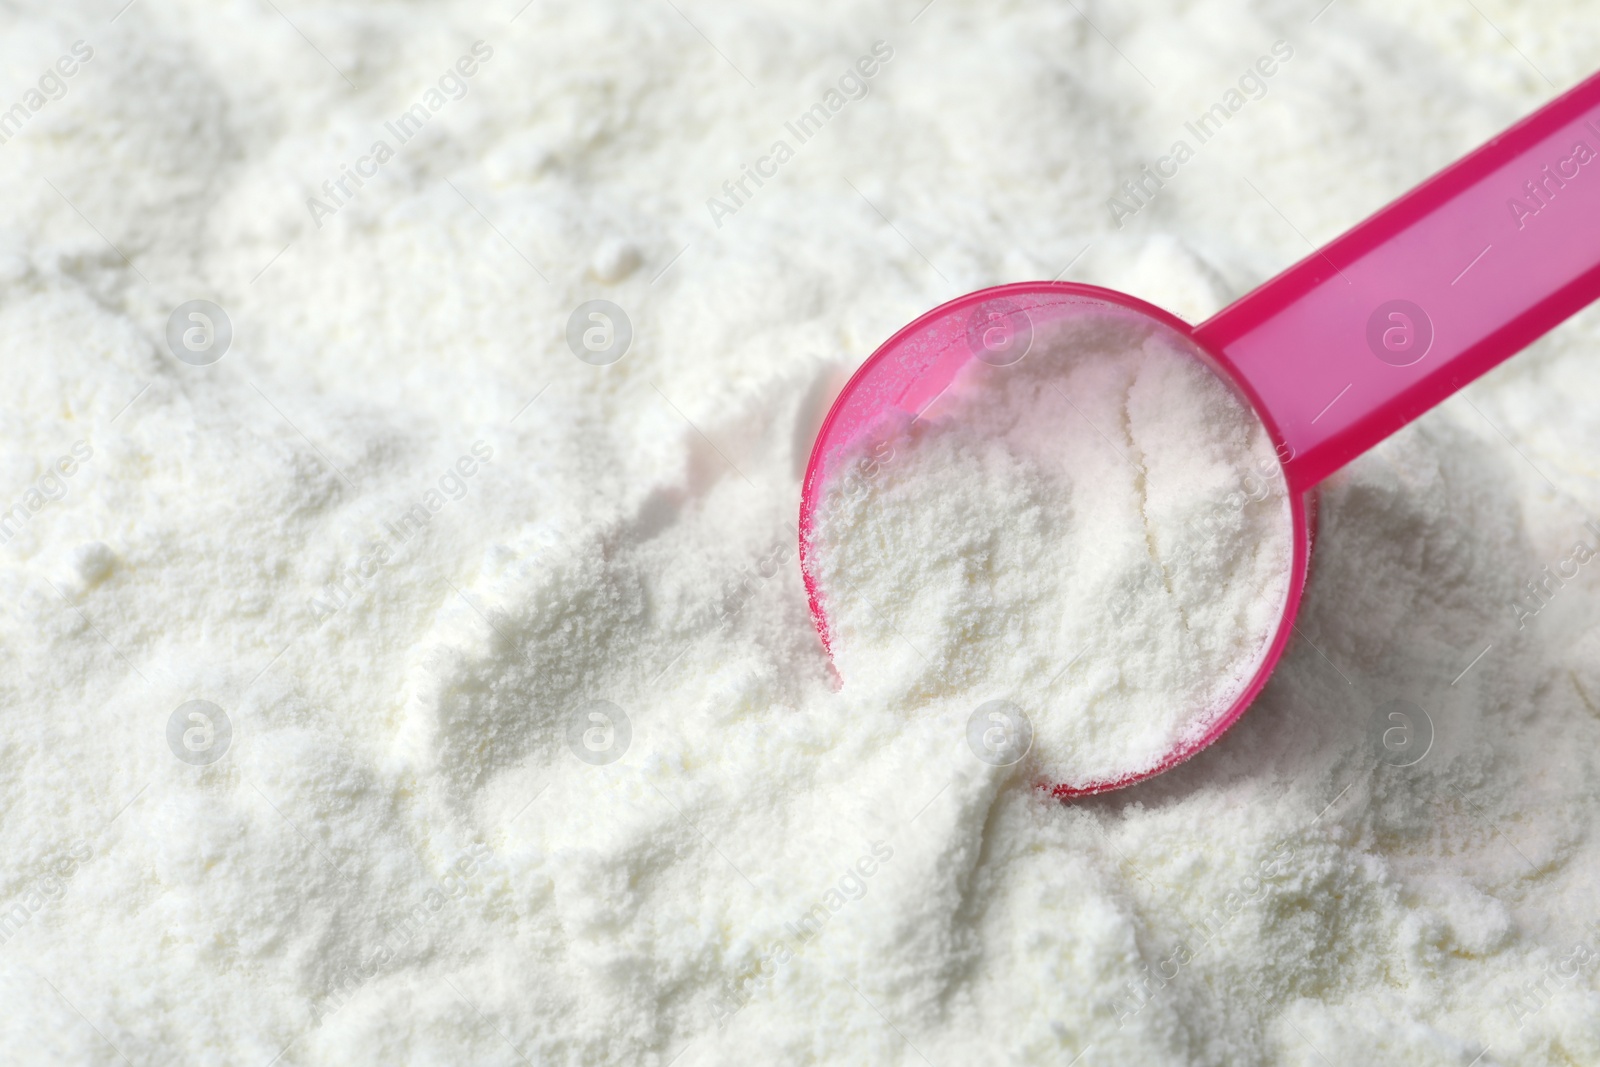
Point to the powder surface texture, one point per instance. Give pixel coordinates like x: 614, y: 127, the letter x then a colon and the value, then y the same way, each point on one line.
x: 518, y: 744
x: 1097, y: 534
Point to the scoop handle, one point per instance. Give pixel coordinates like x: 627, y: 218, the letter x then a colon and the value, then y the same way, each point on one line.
x: 1367, y: 334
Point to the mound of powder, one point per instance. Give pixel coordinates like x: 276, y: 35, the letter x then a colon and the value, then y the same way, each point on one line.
x: 1098, y: 534
x: 407, y: 538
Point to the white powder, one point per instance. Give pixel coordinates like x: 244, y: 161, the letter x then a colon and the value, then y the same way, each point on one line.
x: 402, y: 858
x: 1098, y: 534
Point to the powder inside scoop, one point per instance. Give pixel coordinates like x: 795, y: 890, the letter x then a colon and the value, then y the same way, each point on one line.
x: 1098, y: 534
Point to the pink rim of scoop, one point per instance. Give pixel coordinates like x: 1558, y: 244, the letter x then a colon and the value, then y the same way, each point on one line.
x: 1335, y: 354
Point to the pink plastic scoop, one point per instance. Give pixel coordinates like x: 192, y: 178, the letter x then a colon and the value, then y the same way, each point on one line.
x: 1334, y: 354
